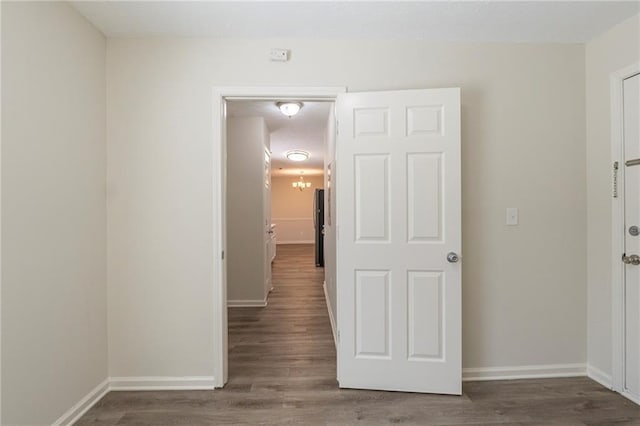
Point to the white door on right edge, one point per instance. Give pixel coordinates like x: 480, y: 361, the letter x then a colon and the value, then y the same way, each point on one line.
x: 398, y: 211
x: 631, y: 108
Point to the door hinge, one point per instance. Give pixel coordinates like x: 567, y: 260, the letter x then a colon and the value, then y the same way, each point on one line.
x: 222, y: 254
x: 615, y: 179
x: 338, y: 336
x: 337, y: 127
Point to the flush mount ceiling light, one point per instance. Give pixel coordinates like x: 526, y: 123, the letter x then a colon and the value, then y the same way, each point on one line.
x: 289, y: 108
x: 297, y: 155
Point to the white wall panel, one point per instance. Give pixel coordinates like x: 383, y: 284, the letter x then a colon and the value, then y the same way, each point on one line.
x: 54, y: 208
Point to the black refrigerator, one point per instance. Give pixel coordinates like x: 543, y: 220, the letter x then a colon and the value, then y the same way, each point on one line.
x: 318, y: 224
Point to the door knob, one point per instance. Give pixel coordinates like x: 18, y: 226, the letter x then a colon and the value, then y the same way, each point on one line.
x: 633, y: 259
x: 453, y: 257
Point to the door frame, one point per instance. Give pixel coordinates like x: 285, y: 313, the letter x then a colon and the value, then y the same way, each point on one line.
x: 617, y: 225
x: 220, y: 95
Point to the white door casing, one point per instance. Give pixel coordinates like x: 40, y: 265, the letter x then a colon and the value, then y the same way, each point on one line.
x: 631, y: 140
x: 398, y: 213
x: 268, y: 233
x: 219, y: 116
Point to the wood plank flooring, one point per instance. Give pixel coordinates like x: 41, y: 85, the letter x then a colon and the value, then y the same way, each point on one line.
x: 282, y: 371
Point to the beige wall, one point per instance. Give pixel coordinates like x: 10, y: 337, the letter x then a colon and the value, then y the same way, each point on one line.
x: 54, y: 330
x: 524, y: 288
x: 247, y: 138
x: 292, y: 209
x: 523, y: 131
x: 617, y: 48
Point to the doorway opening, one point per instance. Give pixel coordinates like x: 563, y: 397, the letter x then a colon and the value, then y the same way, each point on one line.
x: 398, y: 178
x: 277, y: 315
x: 252, y: 113
x: 625, y: 126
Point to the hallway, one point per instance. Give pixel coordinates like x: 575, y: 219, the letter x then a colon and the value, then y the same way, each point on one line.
x: 288, y: 345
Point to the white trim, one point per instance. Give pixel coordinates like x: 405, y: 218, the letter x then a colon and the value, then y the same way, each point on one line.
x: 74, y: 413
x: 630, y: 397
x: 246, y: 303
x: 220, y: 94
x: 331, y: 318
x: 89, y: 400
x: 617, y: 228
x: 219, y: 241
x: 1, y: 243
x: 295, y: 242
x: 310, y: 93
x: 599, y: 376
x: 161, y: 383
x: 523, y: 372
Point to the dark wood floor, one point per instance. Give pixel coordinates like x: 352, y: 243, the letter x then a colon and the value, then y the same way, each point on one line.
x: 282, y: 371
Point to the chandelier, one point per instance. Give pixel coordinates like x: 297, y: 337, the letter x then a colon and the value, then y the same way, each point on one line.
x: 300, y: 184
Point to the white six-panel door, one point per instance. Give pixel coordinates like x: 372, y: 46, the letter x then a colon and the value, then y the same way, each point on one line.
x: 631, y: 110
x: 398, y: 203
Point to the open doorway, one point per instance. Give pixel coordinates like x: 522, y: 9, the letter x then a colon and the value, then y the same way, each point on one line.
x: 398, y: 197
x: 287, y: 189
x: 277, y: 319
x: 275, y: 190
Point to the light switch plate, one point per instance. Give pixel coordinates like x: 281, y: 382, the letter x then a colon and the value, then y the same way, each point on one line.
x: 512, y: 216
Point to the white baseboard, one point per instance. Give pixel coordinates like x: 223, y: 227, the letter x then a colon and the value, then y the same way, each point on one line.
x: 600, y: 376
x: 82, y: 406
x: 523, y: 372
x: 631, y: 397
x: 161, y: 383
x: 296, y: 242
x: 132, y: 384
x: 331, y: 318
x: 246, y: 303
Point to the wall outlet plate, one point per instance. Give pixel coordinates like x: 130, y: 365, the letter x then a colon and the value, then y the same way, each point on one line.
x: 512, y: 216
x: 279, y: 55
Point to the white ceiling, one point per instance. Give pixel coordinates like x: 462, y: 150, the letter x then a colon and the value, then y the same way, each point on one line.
x: 303, y: 131
x: 463, y: 21
x: 479, y: 21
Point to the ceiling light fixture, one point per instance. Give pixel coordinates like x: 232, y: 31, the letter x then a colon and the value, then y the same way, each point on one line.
x: 289, y: 108
x: 297, y: 155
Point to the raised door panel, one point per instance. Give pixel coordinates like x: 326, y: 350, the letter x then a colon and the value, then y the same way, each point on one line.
x: 425, y: 300
x: 424, y: 120
x: 369, y: 122
x: 372, y: 304
x: 372, y: 198
x: 424, y: 197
